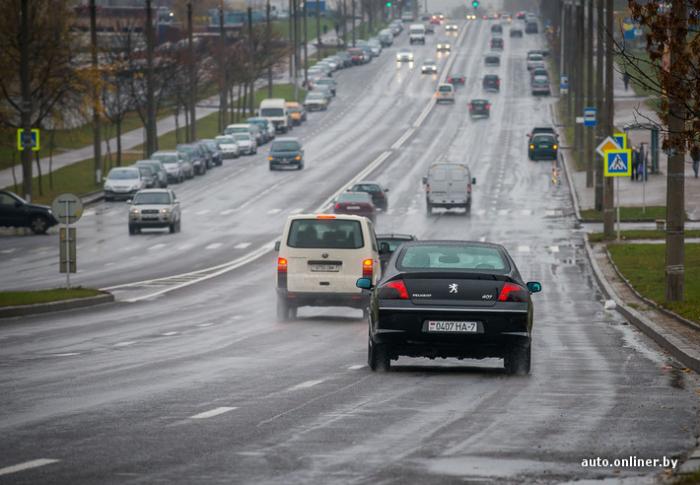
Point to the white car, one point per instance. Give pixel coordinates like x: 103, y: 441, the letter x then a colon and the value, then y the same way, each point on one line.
x: 123, y: 183
x: 443, y: 47
x: 451, y: 28
x: 429, y: 67
x: 404, y: 55
x: 445, y: 93
x: 316, y: 101
x: 228, y: 146
x: 320, y: 258
x: 246, y: 143
x: 534, y: 61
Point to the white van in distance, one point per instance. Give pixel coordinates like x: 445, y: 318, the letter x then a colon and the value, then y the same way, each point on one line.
x: 275, y: 109
x: 416, y: 34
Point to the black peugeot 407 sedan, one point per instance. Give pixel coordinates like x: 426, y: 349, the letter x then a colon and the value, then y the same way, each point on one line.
x: 451, y: 299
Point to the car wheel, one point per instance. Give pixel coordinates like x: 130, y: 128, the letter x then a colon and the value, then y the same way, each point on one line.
x: 172, y: 227
x: 255, y: 152
x: 132, y: 229
x: 378, y: 357
x: 300, y: 166
x: 468, y: 206
x: 517, y: 360
x: 39, y: 224
x: 429, y: 208
x: 272, y: 167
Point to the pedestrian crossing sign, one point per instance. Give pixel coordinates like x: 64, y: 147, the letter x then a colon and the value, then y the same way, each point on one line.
x: 618, y: 163
x: 621, y: 139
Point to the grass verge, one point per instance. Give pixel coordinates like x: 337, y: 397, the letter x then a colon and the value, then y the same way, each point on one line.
x: 629, y: 214
x: 640, y: 234
x: 16, y: 298
x: 643, y: 265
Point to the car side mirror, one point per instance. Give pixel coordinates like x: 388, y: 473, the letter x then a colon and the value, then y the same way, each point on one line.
x: 128, y: 201
x: 277, y: 246
x: 364, y: 283
x: 18, y: 203
x: 386, y: 190
x: 474, y: 180
x: 384, y: 248
x: 534, y: 286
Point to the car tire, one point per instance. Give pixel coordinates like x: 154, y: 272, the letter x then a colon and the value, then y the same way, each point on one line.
x: 378, y: 357
x: 429, y: 208
x: 517, y: 361
x: 172, y: 228
x: 468, y: 206
x: 300, y: 166
x: 255, y: 152
x: 39, y: 224
x: 132, y: 229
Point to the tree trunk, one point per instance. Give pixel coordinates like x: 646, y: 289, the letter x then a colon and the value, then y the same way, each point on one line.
x: 52, y: 134
x: 38, y: 172
x: 118, y: 126
x: 177, y: 123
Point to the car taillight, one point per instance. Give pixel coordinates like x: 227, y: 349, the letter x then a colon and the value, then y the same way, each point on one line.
x: 512, y: 292
x: 338, y: 206
x: 488, y: 106
x: 282, y: 265
x: 498, y: 82
x: 281, y: 272
x: 393, y: 290
x: 469, y: 188
x: 427, y: 188
x: 471, y: 107
x: 367, y: 268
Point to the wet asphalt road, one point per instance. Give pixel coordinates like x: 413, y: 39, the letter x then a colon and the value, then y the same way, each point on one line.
x: 202, y: 385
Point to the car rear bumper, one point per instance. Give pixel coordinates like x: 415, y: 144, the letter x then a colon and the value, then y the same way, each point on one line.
x: 543, y: 154
x: 352, y: 300
x: 120, y: 195
x: 406, y: 333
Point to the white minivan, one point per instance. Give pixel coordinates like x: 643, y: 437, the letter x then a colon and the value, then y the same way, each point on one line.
x: 275, y: 109
x: 448, y: 186
x: 416, y: 34
x: 320, y: 258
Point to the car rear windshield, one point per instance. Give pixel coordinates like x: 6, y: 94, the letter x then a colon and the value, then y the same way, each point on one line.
x: 284, y: 146
x: 325, y: 233
x: 354, y: 197
x: 242, y: 136
x: 123, y: 174
x: 152, y: 198
x: 165, y: 159
x: 543, y: 139
x: 272, y: 112
x: 445, y: 89
x: 534, y: 57
x: 452, y: 256
x: 445, y: 172
x: 393, y: 243
x: 366, y: 188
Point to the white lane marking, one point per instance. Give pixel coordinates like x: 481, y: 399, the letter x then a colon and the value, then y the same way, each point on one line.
x: 157, y: 246
x: 184, y: 247
x: 169, y: 334
x: 27, y: 465
x: 107, y: 265
x: 205, y: 324
x: 89, y: 212
x: 298, y: 210
x: 356, y: 367
x: 502, y: 212
x: 212, y: 413
x: 526, y: 212
x: 8, y: 251
x: 397, y: 144
x: 66, y: 354
x: 125, y: 344
x: 306, y: 385
x: 274, y: 211
x: 242, y: 245
x: 227, y: 212
x: 554, y: 249
x: 202, y: 212
x: 214, y: 245
x: 523, y: 249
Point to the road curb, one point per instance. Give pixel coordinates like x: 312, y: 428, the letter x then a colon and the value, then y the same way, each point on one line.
x: 54, y: 306
x: 569, y: 179
x: 666, y: 340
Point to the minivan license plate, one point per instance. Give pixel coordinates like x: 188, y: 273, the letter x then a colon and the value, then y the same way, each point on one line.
x: 325, y: 267
x: 460, y: 327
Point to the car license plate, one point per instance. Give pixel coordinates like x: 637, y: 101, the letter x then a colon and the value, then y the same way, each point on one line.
x: 353, y: 207
x: 324, y: 267
x: 544, y: 146
x: 459, y: 327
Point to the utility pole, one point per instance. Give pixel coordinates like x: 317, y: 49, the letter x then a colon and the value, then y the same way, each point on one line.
x: 295, y: 77
x: 192, y: 134
x: 96, y: 132
x: 319, y: 47
x: 306, y: 41
x: 251, y: 52
x: 291, y: 40
x: 268, y: 34
x: 609, y: 188
x: 25, y: 87
x: 600, y: 105
x: 675, y: 185
x: 222, y: 69
x: 151, y: 142
x: 578, y: 60
x: 345, y: 24
x: 353, y: 24
x: 570, y: 42
x: 590, y: 95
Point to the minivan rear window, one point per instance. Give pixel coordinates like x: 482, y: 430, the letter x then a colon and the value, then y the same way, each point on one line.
x: 458, y: 257
x: 325, y: 233
x: 270, y: 112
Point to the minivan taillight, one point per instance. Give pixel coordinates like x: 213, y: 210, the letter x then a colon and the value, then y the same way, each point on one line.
x: 393, y: 290
x: 337, y: 205
x: 367, y: 268
x: 282, y: 265
x: 512, y: 292
x: 281, y: 272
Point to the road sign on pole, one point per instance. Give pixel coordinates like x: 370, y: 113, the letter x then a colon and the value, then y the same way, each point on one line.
x: 589, y: 116
x: 67, y: 208
x: 621, y: 140
x: 606, y: 145
x: 563, y: 84
x: 618, y: 163
x: 28, y: 140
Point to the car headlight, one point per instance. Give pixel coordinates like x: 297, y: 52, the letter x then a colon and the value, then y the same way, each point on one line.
x: 165, y: 211
x: 108, y: 186
x: 135, y: 211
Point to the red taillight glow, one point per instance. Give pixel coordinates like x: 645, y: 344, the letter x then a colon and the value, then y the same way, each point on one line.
x: 367, y: 268
x: 512, y: 292
x: 395, y: 290
x: 281, y: 265
x: 338, y: 206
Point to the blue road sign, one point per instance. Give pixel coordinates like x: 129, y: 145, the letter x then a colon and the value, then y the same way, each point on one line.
x: 589, y: 116
x: 618, y: 163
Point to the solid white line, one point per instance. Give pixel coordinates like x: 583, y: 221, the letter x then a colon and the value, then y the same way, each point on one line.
x: 523, y: 249
x: 242, y: 245
x: 212, y: 413
x: 227, y: 212
x: 27, y: 465
x: 305, y: 385
x: 156, y: 246
x: 274, y: 211
x: 214, y: 245
x: 67, y: 354
x: 8, y: 251
x: 125, y: 344
x: 169, y: 334
x: 356, y: 367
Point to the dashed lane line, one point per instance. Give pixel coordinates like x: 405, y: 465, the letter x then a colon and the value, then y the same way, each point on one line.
x: 242, y: 245
x: 27, y: 465
x: 215, y: 245
x: 306, y: 384
x: 213, y: 412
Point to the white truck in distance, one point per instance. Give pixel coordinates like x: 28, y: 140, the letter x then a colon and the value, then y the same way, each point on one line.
x: 416, y: 34
x: 275, y: 109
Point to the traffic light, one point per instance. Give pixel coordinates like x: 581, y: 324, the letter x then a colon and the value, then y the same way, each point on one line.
x: 388, y: 4
x: 475, y: 4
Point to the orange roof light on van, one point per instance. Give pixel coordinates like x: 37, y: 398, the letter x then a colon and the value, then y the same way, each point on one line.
x: 325, y: 216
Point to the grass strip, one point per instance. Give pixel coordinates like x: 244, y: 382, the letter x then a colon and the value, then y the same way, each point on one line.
x: 16, y: 298
x: 640, y: 234
x: 650, y: 214
x: 644, y: 264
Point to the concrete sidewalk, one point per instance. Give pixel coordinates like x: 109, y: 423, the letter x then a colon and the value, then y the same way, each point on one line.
x: 630, y: 108
x: 135, y: 138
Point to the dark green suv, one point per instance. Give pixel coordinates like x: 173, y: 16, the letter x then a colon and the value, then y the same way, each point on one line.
x: 286, y: 152
x: 543, y: 147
